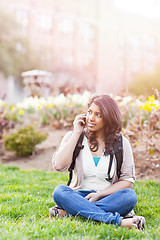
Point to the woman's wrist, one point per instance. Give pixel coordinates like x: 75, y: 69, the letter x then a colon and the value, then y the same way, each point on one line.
x: 102, y: 194
x: 77, y: 132
x: 76, y: 135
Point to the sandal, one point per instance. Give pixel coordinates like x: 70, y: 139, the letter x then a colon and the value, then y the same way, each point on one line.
x: 139, y: 222
x: 53, y: 212
x: 131, y: 214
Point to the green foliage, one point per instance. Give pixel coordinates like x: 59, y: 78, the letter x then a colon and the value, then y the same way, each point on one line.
x: 26, y: 196
x: 144, y: 83
x: 24, y: 140
x: 16, y: 55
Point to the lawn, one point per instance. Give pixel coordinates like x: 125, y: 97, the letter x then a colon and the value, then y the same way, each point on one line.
x: 26, y: 196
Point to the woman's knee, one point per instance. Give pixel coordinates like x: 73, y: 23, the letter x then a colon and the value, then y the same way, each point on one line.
x: 59, y: 191
x: 130, y: 195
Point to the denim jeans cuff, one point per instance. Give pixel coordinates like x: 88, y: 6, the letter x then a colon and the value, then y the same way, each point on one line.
x: 119, y: 221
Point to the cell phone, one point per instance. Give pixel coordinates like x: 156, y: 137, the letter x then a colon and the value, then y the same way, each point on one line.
x: 84, y: 119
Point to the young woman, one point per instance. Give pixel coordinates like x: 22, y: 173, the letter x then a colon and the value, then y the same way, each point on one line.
x: 90, y: 195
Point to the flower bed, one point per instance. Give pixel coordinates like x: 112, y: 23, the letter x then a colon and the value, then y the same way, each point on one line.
x: 141, y: 118
x: 62, y: 108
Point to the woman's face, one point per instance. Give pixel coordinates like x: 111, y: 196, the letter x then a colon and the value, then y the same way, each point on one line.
x: 94, y: 119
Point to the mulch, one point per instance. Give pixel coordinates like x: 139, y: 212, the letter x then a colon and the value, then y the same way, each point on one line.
x: 147, y: 166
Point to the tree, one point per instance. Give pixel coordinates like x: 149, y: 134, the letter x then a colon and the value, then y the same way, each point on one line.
x: 16, y: 54
x: 145, y: 83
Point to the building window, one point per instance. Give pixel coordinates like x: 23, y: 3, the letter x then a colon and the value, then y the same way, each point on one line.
x: 149, y: 42
x: 44, y: 22
x: 87, y: 32
x: 66, y: 25
x: 121, y: 67
x: 135, y: 66
x: 22, y: 17
x: 67, y: 60
x: 86, y: 60
x: 121, y: 39
x: 134, y: 42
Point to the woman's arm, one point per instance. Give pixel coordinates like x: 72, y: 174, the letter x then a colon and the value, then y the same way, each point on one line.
x: 92, y: 197
x: 115, y: 187
x: 63, y: 157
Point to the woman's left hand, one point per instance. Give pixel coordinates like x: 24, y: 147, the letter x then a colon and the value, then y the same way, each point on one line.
x: 92, y: 197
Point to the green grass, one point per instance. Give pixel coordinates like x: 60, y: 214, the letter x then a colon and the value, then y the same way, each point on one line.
x: 26, y: 196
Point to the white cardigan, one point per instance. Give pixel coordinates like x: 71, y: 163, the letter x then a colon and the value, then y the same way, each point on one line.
x: 88, y: 177
x: 94, y: 177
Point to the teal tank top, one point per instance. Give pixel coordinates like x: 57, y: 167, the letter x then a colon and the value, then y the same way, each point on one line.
x: 96, y: 160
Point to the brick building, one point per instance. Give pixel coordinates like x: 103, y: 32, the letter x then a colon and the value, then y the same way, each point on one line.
x: 91, y: 42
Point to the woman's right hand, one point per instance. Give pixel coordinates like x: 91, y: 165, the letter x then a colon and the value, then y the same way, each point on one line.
x: 63, y: 157
x: 79, y: 123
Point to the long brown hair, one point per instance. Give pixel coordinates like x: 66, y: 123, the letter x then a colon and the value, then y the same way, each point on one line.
x: 113, y: 122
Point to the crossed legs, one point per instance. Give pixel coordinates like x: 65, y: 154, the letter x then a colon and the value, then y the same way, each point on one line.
x: 110, y: 209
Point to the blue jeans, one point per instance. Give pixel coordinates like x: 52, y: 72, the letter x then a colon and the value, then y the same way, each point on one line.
x: 110, y: 209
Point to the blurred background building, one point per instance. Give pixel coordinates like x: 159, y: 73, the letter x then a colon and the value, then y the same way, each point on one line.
x: 88, y: 43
